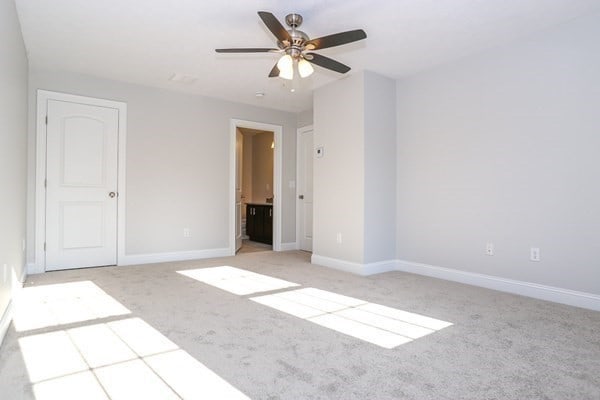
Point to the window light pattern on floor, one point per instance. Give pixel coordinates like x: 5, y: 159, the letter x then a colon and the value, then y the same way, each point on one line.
x: 65, y: 303
x: 383, y: 326
x: 236, y: 280
x: 125, y: 359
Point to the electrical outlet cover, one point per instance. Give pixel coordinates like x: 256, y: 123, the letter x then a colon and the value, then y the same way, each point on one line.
x: 319, y: 151
x: 534, y: 254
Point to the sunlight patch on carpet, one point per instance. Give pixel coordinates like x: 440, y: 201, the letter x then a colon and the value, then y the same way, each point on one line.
x: 236, y: 280
x: 383, y: 326
x: 124, y: 359
x: 65, y: 303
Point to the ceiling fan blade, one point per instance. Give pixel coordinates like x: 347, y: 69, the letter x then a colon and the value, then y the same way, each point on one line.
x: 337, y: 39
x: 327, y: 62
x: 247, y: 50
x: 274, y: 72
x: 275, y: 26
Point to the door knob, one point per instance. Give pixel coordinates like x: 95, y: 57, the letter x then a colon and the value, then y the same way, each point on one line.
x: 112, y: 194
x: 301, y: 197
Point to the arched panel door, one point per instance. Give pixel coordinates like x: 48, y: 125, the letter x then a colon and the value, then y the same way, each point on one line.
x: 81, y: 185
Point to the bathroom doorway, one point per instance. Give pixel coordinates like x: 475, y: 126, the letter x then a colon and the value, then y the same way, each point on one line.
x: 256, y: 204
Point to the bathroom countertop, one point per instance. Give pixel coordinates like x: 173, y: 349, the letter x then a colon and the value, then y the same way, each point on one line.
x: 255, y: 203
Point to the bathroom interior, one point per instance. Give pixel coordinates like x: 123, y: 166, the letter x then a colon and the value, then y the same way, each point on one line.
x: 256, y: 175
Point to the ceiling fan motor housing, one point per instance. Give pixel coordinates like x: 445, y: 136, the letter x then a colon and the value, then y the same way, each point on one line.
x: 296, y: 47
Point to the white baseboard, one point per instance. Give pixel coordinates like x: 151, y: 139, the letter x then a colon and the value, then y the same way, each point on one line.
x: 288, y: 246
x: 355, y: 268
x: 16, y: 285
x: 152, y: 258
x: 380, y: 267
x: 24, y: 274
x: 537, y: 291
x: 335, y: 263
x: 136, y: 259
x: 5, y: 321
x: 34, y: 268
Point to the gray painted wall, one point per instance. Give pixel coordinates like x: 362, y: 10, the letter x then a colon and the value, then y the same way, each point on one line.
x: 177, y: 162
x: 355, y: 180
x: 246, y: 171
x: 13, y: 149
x: 305, y: 118
x: 338, y: 177
x: 504, y: 147
x: 380, y: 168
x: 262, y: 167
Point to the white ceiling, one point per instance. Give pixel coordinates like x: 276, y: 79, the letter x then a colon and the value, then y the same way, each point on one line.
x: 147, y: 41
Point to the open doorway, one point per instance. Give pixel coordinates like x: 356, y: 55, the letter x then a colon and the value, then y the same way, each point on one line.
x: 256, y: 175
x: 256, y: 187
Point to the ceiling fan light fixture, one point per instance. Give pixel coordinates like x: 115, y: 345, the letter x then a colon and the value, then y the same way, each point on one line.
x: 305, y: 69
x: 286, y: 67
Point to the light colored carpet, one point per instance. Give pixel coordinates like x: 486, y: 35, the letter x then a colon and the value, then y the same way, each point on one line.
x: 249, y: 246
x: 500, y: 346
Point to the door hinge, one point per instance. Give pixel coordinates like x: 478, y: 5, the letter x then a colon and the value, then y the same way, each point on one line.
x: 44, y: 246
x: 46, y: 120
x: 45, y: 183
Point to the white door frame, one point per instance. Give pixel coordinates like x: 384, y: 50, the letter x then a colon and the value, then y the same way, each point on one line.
x: 277, y: 176
x: 299, y: 132
x: 40, y: 170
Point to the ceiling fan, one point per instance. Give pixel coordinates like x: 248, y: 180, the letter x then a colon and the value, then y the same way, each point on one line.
x: 297, y: 47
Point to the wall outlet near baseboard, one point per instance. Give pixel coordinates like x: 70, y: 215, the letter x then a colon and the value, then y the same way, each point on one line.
x: 338, y: 237
x: 534, y: 254
x: 186, y: 232
x: 489, y: 249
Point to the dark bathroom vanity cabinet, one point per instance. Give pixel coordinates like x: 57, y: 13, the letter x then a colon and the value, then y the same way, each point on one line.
x: 259, y: 222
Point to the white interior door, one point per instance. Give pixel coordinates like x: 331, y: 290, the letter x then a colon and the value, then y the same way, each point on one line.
x: 305, y: 188
x: 81, y: 185
x: 238, y: 189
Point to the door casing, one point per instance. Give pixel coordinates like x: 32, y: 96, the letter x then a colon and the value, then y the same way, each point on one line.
x: 39, y: 265
x: 277, y: 177
x: 238, y: 190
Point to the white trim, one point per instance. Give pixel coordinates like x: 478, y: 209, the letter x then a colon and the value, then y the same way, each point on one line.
x: 35, y: 268
x: 549, y: 293
x: 335, y: 263
x: 537, y: 291
x: 289, y: 246
x: 277, y: 177
x: 380, y: 267
x: 16, y: 285
x: 299, y: 132
x: 23, y: 276
x: 355, y: 268
x: 5, y: 321
x: 137, y: 259
x: 43, y: 96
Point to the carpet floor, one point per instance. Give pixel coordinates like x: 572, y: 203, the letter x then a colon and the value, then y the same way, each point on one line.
x: 498, y: 346
x: 249, y: 246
